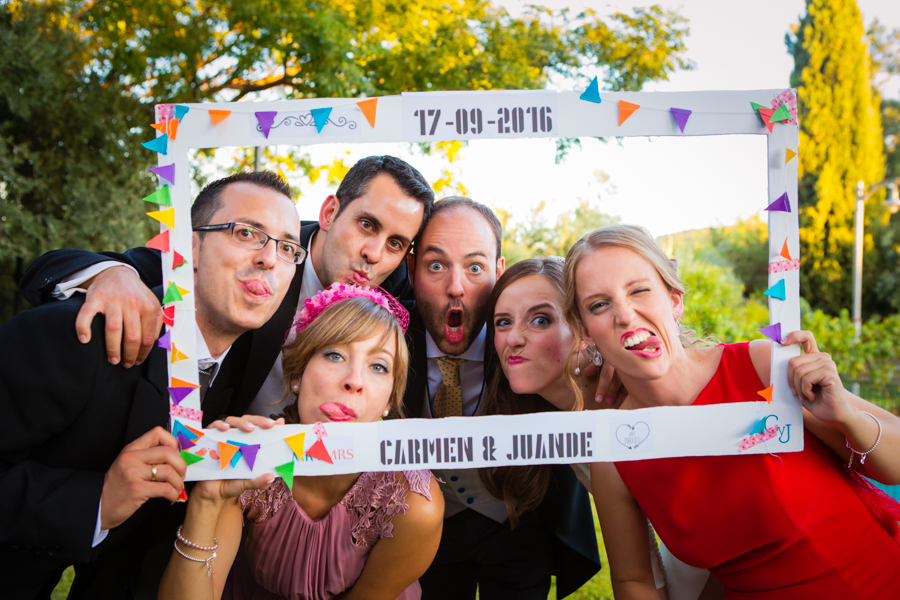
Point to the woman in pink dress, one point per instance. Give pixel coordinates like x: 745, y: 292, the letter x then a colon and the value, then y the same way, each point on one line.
x: 790, y: 526
x: 357, y: 536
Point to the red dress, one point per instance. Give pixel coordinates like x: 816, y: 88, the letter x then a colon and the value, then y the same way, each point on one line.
x: 773, y: 527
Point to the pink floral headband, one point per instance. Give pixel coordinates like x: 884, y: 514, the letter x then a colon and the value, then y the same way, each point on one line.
x: 344, y: 290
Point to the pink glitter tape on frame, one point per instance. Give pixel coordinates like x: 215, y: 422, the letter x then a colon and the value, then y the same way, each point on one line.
x: 758, y: 438
x: 784, y: 265
x: 184, y: 412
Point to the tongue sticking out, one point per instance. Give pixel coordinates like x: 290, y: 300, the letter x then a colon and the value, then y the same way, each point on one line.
x: 454, y: 329
x: 256, y: 288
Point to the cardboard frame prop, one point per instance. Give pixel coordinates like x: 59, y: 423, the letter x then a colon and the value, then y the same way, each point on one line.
x: 466, y: 442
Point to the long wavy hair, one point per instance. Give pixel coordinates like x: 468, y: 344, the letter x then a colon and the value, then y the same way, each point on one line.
x: 521, y: 488
x: 342, y: 323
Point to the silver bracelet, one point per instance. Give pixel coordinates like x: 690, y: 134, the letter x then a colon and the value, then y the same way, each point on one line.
x: 862, y: 455
x: 208, y: 561
x: 191, y: 544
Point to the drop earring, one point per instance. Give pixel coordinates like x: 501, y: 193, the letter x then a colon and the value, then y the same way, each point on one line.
x: 595, y: 356
x: 386, y: 413
x: 577, y: 371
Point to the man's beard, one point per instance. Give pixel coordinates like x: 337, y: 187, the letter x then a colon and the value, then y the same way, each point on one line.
x: 435, y: 319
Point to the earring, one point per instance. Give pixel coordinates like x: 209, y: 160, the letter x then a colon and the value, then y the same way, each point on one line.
x: 577, y: 371
x: 386, y: 412
x: 295, y: 388
x: 595, y: 356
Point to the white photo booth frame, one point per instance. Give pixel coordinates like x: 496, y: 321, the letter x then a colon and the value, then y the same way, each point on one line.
x: 468, y: 442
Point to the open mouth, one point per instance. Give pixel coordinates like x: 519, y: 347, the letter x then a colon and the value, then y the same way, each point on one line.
x: 641, y: 341
x: 337, y: 412
x: 256, y: 288
x: 454, y: 329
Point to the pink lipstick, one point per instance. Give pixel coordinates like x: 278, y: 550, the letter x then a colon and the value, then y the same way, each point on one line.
x: 337, y: 412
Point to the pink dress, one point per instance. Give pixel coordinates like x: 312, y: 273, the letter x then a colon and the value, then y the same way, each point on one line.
x: 286, y: 554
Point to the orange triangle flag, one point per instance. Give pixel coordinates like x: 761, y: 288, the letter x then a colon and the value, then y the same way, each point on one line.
x: 784, y: 251
x: 788, y: 155
x: 169, y: 126
x: 192, y: 430
x: 217, y: 116
x: 160, y: 242
x: 767, y: 393
x: 296, y: 442
x: 181, y: 383
x: 368, y: 109
x: 226, y: 452
x: 177, y: 354
x: 625, y: 110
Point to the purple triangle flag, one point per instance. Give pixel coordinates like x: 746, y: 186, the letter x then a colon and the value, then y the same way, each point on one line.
x: 249, y: 453
x: 180, y: 393
x: 772, y: 332
x: 165, y: 340
x: 184, y: 443
x: 320, y: 116
x: 782, y: 204
x: 159, y: 144
x: 266, y: 118
x: 182, y: 431
x: 167, y: 172
x: 681, y: 117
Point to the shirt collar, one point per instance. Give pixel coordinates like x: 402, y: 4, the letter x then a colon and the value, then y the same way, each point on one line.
x: 474, y: 352
x: 205, y: 359
x: 310, y: 284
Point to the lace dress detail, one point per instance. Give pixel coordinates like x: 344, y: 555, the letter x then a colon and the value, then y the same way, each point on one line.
x: 377, y: 498
x: 259, y: 505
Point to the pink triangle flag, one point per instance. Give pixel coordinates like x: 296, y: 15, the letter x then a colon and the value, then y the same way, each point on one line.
x: 179, y: 393
x: 772, y: 332
x: 681, y: 117
x: 165, y: 340
x: 167, y: 172
x: 249, y: 453
x: 782, y: 204
x: 266, y: 118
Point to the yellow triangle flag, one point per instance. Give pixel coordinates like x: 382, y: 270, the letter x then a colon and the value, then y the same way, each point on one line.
x: 788, y: 155
x: 625, y: 110
x: 767, y: 393
x: 296, y: 442
x: 166, y: 217
x: 217, y: 116
x: 226, y: 452
x: 784, y: 250
x: 368, y: 109
x: 177, y: 354
x: 181, y: 290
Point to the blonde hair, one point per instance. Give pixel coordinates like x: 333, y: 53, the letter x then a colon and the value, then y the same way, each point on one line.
x: 634, y: 238
x: 342, y: 323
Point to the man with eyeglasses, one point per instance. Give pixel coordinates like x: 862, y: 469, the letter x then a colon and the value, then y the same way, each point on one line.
x: 365, y: 229
x: 88, y: 471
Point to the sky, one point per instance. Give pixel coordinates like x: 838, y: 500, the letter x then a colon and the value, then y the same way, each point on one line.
x: 666, y: 184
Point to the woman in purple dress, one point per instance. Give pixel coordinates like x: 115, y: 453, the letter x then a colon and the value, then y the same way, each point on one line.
x: 368, y: 535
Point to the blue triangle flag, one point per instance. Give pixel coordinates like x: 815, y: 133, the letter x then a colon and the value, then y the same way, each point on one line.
x: 759, y: 427
x: 776, y: 291
x: 592, y: 93
x: 180, y: 111
x: 320, y: 116
x: 178, y: 428
x: 160, y: 144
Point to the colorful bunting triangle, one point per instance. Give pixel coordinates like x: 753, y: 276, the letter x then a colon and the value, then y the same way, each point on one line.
x: 160, y: 242
x: 368, y: 108
x: 592, y: 93
x: 777, y: 291
x: 226, y: 452
x: 182, y: 383
x: 183, y: 497
x: 217, y: 116
x: 781, y: 114
x: 160, y: 196
x: 765, y: 114
x: 180, y: 111
x: 756, y: 109
x: 169, y: 126
x: 237, y: 455
x: 286, y: 472
x: 265, y: 119
x: 165, y: 340
x: 199, y: 434
x: 172, y: 294
x: 318, y: 450
x: 767, y: 393
x: 190, y: 458
x: 167, y: 172
x: 759, y: 426
x: 169, y: 315
x: 625, y: 110
x: 166, y: 217
x: 249, y: 453
x: 320, y: 116
x: 781, y: 204
x: 296, y: 442
x: 159, y: 145
x: 177, y: 260
x: 184, y: 443
x: 681, y: 117
x: 181, y: 290
x: 788, y: 155
x: 180, y: 428
x: 177, y: 354
x: 772, y: 332
x: 179, y: 393
x: 785, y: 252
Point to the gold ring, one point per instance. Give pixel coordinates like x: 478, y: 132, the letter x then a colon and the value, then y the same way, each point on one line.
x: 152, y: 472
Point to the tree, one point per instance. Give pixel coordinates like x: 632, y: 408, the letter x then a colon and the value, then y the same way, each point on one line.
x: 840, y: 144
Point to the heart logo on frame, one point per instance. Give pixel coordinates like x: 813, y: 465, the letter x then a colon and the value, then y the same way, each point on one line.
x: 632, y: 436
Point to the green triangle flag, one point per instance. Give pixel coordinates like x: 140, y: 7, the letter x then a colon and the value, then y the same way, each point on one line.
x: 286, y: 471
x: 756, y: 108
x: 172, y: 294
x: 190, y: 458
x: 160, y: 196
x: 782, y: 114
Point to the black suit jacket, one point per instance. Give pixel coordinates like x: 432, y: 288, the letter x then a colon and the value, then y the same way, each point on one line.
x: 251, y: 357
x: 565, y: 510
x: 67, y: 413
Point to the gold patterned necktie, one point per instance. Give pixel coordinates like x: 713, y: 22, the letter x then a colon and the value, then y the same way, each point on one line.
x: 448, y: 400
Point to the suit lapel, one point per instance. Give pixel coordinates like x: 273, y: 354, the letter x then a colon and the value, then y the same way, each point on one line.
x: 417, y: 381
x: 150, y: 405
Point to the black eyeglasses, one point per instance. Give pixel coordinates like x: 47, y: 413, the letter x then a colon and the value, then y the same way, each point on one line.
x: 251, y: 237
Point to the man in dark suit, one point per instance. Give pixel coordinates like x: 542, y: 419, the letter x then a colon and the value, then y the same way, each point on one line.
x: 87, y: 469
x: 456, y: 263
x: 365, y: 229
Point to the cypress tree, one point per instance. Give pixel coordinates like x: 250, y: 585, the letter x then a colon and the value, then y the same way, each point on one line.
x: 840, y: 143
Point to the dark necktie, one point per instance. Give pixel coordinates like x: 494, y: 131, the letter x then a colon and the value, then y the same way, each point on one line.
x: 205, y: 376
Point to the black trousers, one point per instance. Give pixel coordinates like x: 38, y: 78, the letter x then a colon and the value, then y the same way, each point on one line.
x: 476, y: 552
